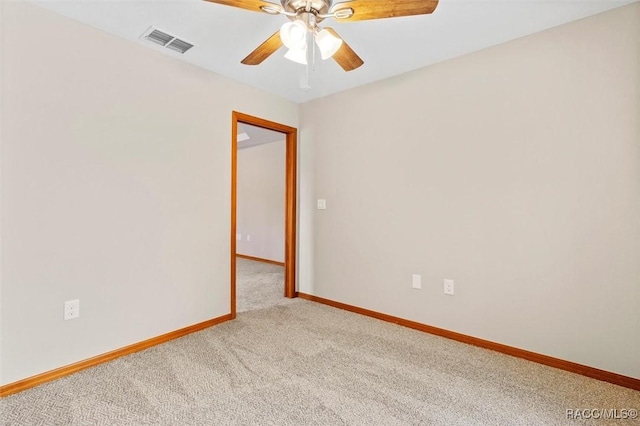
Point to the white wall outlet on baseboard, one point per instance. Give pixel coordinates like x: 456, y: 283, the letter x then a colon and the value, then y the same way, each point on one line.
x: 71, y: 309
x: 448, y: 287
x: 322, y: 204
x: 416, y: 281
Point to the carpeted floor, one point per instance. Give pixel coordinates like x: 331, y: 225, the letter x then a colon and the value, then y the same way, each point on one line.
x: 302, y: 363
x: 259, y: 285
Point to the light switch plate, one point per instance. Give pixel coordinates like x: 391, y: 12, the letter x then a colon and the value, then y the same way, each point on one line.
x: 416, y: 281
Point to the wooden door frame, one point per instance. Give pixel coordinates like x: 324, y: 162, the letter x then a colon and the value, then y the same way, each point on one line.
x: 290, y: 199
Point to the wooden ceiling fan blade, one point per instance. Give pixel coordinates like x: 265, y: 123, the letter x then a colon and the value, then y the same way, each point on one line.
x: 254, y: 5
x: 265, y: 50
x: 376, y: 9
x: 345, y: 56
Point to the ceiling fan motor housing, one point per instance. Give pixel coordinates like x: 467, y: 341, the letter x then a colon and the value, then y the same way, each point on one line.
x: 298, y: 7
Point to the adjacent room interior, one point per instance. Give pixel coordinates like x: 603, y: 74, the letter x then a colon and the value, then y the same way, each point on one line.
x: 260, y: 218
x: 488, y: 201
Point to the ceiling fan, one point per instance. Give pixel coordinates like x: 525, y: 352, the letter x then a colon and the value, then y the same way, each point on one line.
x: 305, y: 15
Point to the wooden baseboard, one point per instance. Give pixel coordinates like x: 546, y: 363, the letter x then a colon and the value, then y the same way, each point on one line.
x: 48, y: 376
x: 259, y: 259
x: 595, y: 373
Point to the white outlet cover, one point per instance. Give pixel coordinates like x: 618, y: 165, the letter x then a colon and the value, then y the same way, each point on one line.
x: 248, y: 237
x: 71, y: 309
x: 416, y: 281
x: 322, y: 204
x: 239, y: 237
x: 448, y: 287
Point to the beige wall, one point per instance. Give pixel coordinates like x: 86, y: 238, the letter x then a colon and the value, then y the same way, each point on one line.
x: 115, y: 190
x: 1, y: 209
x: 261, y: 201
x: 514, y: 171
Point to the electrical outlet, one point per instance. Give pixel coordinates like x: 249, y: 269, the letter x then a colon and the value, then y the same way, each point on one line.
x: 416, y: 281
x: 448, y: 287
x: 248, y: 237
x: 321, y: 204
x: 239, y: 237
x: 71, y: 309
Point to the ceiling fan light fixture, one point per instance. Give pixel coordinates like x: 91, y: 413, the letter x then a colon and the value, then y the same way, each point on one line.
x: 294, y: 35
x: 297, y: 55
x: 327, y: 43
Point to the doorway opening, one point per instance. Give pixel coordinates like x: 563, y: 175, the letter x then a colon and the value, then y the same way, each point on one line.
x: 290, y: 135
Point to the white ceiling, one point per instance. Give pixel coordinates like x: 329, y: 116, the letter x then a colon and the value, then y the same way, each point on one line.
x: 224, y: 35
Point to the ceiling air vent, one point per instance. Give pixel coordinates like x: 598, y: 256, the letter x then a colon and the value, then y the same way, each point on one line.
x: 178, y: 45
x: 167, y: 40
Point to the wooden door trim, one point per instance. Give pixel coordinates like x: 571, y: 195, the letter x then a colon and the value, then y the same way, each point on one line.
x: 290, y: 196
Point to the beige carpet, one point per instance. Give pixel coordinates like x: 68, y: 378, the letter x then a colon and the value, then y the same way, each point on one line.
x: 259, y: 285
x: 302, y: 363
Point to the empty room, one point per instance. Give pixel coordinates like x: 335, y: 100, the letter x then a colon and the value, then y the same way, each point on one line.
x: 451, y: 235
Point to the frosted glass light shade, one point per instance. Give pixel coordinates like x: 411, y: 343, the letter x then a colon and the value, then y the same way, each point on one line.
x: 297, y: 55
x: 294, y: 34
x: 327, y: 43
